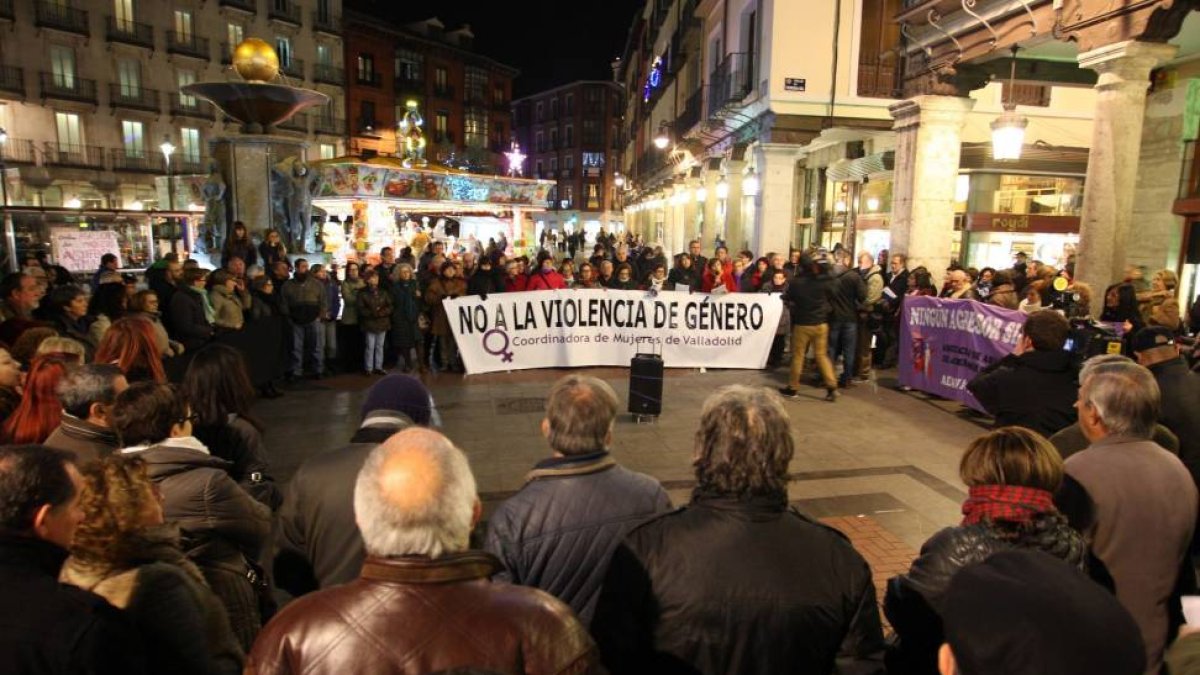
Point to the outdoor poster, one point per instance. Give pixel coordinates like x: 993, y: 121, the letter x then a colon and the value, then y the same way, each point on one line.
x: 945, y: 343
x: 358, y: 180
x: 81, y: 250
x: 596, y: 327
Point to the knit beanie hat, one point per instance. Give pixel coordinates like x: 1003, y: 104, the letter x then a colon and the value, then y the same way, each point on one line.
x: 400, y: 393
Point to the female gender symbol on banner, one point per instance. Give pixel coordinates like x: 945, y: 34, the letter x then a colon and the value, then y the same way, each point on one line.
x: 503, y: 352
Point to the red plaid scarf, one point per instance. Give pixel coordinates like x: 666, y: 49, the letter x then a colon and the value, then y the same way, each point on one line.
x: 1012, y: 503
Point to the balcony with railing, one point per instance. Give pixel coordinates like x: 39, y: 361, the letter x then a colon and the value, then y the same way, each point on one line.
x: 324, y: 21
x: 692, y: 112
x: 327, y: 73
x: 69, y: 154
x: 60, y: 17
x: 244, y: 5
x: 12, y: 80
x: 129, y: 32
x: 133, y: 98
x: 294, y: 68
x: 410, y: 82
x: 144, y: 160
x: 284, y: 11
x: 732, y: 81
x: 68, y: 88
x: 6, y: 10
x: 18, y: 151
x: 331, y: 126
x: 371, y: 79
x: 183, y: 105
x: 188, y: 44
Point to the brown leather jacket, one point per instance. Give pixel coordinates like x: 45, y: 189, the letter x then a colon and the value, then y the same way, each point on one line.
x: 416, y: 615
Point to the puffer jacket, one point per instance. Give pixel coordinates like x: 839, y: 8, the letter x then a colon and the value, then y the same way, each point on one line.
x: 164, y: 595
x: 228, y: 308
x: 222, y: 526
x: 748, y: 586
x: 374, y: 309
x: 304, y: 300
x: 559, y: 531
x: 416, y: 615
x: 914, y: 600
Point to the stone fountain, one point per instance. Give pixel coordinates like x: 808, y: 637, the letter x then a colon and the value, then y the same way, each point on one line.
x: 258, y: 177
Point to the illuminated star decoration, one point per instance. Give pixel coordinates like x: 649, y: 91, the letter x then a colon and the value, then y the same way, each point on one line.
x: 515, y: 159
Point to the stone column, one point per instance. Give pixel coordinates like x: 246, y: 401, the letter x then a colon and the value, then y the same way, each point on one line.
x: 1112, y: 171
x: 776, y: 217
x: 928, y: 145
x: 732, y: 230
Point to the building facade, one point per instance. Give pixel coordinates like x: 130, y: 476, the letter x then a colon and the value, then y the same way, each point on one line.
x: 775, y: 139
x: 464, y: 97
x: 571, y: 134
x: 90, y: 90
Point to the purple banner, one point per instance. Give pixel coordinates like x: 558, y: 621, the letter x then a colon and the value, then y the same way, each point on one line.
x: 945, y: 343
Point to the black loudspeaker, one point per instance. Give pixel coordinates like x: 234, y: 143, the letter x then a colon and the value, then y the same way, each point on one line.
x: 646, y: 385
x: 1193, y: 240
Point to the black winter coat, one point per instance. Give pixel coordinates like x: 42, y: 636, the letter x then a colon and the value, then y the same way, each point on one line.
x: 51, y: 628
x: 559, y: 531
x: 188, y: 323
x: 223, y: 527
x: 847, y: 293
x: 1180, y: 409
x: 240, y: 443
x: 738, y: 586
x: 1036, y: 390
x: 484, y: 284
x: 809, y: 300
x: 913, y: 601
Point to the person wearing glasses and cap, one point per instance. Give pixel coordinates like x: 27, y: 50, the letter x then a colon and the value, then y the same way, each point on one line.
x: 223, y: 528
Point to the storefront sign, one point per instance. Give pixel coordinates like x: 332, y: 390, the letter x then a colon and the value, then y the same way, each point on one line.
x: 872, y: 222
x: 81, y: 250
x: 793, y: 84
x: 360, y: 180
x: 944, y: 344
x: 578, y: 328
x: 1022, y: 222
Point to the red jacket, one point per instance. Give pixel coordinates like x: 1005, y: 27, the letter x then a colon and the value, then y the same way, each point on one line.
x: 707, y: 282
x: 545, y: 281
x: 517, y: 283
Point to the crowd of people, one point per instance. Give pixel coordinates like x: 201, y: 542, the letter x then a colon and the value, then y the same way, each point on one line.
x: 142, y: 529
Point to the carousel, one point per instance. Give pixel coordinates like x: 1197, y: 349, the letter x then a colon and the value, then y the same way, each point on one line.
x: 367, y: 204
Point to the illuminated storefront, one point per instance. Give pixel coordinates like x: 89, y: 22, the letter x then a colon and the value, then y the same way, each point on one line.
x: 1006, y: 214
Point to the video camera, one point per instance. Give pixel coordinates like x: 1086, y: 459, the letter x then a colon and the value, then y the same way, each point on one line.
x: 1088, y: 338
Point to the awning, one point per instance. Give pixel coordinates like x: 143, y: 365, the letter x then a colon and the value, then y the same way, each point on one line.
x: 855, y: 170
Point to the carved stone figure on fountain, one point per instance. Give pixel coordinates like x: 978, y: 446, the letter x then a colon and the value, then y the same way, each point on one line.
x: 213, y: 192
x: 292, y: 185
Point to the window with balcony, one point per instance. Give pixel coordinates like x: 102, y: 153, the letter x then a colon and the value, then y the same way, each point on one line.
x: 366, y: 116
x: 328, y: 151
x: 540, y: 170
x: 189, y: 145
x: 554, y: 108
x: 569, y: 104
x: 593, y: 160
x: 235, y: 34
x: 569, y: 165
x: 498, y: 97
x: 554, y: 139
x: 324, y: 55
x: 476, y: 84
x: 540, y: 143
x: 123, y: 12
x: 568, y: 195
x: 569, y: 136
x: 62, y: 66
x: 593, y: 195
x: 441, y: 81
x: 183, y: 26
x: 441, y: 125
x: 366, y: 68
x: 475, y: 127
x: 133, y: 139
x: 129, y: 78
x: 283, y: 47
x: 410, y: 66
x: 554, y: 167
x: 541, y: 112
x: 183, y: 78
x: 70, y: 132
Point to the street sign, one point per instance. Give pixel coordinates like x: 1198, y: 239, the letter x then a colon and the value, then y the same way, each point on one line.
x: 794, y: 83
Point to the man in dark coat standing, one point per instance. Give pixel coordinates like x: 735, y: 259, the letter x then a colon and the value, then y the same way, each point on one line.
x: 318, y: 544
x: 737, y: 582
x: 1156, y: 349
x: 559, y: 531
x: 47, y: 627
x: 1035, y: 386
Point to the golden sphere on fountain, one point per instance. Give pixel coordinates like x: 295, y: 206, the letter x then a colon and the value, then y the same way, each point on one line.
x: 255, y: 60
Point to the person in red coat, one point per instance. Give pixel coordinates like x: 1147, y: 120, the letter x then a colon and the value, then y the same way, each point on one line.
x: 514, y: 280
x: 717, y: 275
x: 545, y: 278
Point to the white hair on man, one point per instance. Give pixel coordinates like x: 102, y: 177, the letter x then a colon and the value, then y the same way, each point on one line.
x: 1125, y: 396
x: 415, y: 495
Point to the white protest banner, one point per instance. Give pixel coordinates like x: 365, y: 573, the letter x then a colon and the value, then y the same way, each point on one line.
x: 80, y: 250
x: 595, y: 327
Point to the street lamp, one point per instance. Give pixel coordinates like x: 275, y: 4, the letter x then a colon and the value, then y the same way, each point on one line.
x: 168, y: 149
x: 663, y: 139
x: 1008, y: 130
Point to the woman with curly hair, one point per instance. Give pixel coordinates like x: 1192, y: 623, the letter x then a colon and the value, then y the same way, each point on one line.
x: 217, y: 385
x: 129, y: 344
x: 124, y: 552
x: 1012, y: 474
x: 39, y: 412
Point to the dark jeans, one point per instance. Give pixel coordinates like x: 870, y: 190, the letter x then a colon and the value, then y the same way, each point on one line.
x: 308, y: 340
x: 843, y: 340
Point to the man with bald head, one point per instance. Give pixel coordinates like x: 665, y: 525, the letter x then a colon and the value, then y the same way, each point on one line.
x: 424, y: 602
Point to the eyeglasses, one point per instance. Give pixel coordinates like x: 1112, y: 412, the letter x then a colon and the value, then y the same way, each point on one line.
x: 192, y: 417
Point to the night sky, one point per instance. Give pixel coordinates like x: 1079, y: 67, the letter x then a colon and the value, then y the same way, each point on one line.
x: 550, y: 41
